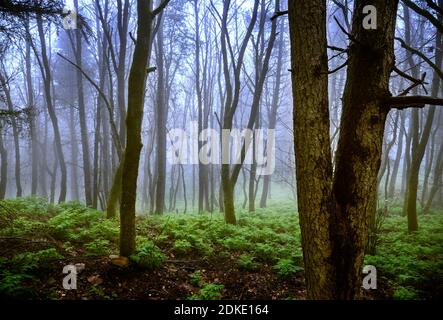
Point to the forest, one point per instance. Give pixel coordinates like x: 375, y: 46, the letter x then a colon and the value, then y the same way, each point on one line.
x: 221, y: 150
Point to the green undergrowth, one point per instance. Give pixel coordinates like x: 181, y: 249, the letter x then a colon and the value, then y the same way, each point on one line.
x: 34, y: 234
x: 412, y: 263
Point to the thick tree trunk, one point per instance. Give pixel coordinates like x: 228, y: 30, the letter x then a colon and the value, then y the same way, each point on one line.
x: 359, y: 149
x: 309, y: 67
x: 336, y: 213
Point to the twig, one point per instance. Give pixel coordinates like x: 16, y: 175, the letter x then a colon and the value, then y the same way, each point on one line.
x: 279, y: 14
x: 338, y: 68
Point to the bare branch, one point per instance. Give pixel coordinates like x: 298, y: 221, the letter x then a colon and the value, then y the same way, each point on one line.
x: 425, y: 13
x: 337, y: 49
x: 279, y: 14
x: 404, y: 102
x: 431, y: 4
x: 160, y: 7
x: 115, y: 136
x: 350, y: 36
x: 338, y: 68
x: 407, y: 76
x: 421, y: 55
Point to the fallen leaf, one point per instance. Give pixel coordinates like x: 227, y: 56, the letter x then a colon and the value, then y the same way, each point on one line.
x: 96, y: 280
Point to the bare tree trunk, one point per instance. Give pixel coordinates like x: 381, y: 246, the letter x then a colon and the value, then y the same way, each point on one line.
x: 75, y: 194
x: 77, y: 49
x: 5, y: 89
x: 393, y: 181
x: 122, y: 27
x: 3, y: 166
x: 419, y: 143
x: 32, y: 124
x: 136, y: 93
x: 437, y: 179
x: 46, y: 74
x: 161, y: 119
x: 335, y: 211
x: 311, y: 133
x: 429, y: 160
x: 272, y: 114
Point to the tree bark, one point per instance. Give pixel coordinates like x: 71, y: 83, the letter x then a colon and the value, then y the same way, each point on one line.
x: 87, y: 173
x: 309, y: 67
x: 3, y: 166
x: 134, y: 117
x: 161, y: 120
x: 46, y: 74
x: 336, y: 211
x: 15, y: 134
x: 419, y: 144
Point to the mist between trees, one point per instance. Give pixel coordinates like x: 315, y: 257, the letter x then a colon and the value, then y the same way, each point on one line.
x: 87, y: 113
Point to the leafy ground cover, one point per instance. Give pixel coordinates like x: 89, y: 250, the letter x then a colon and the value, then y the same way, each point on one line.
x: 194, y: 256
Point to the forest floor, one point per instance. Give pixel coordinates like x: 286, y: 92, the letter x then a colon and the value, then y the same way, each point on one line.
x: 195, y: 256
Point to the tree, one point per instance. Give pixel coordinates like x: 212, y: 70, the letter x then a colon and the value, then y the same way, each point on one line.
x: 419, y: 142
x: 15, y: 130
x: 87, y: 173
x: 335, y: 208
x: 47, y: 80
x: 134, y: 117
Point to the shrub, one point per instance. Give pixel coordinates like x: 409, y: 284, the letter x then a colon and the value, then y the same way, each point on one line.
x: 97, y: 247
x: 182, y: 246
x: 285, y: 268
x: 23, y: 227
x: 74, y: 223
x: 196, y: 278
x: 209, y: 291
x: 246, y: 262
x: 405, y: 293
x: 11, y: 286
x: 265, y: 252
x: 32, y: 260
x: 236, y: 243
x: 79, y: 224
x: 148, y: 255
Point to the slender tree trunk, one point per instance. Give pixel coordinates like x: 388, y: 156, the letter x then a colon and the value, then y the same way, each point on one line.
x: 122, y: 27
x: 136, y: 94
x: 429, y: 160
x: 419, y: 143
x: 87, y: 173
x: 437, y: 180
x: 32, y: 124
x: 75, y: 193
x: 161, y: 114
x: 10, y: 105
x: 3, y: 166
x: 393, y: 181
x: 46, y: 73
